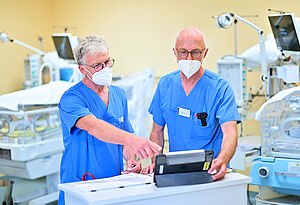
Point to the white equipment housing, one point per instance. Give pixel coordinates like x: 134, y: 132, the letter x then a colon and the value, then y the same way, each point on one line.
x: 30, y: 142
x: 233, y: 69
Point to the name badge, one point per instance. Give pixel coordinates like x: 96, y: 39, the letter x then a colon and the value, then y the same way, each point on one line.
x: 183, y: 112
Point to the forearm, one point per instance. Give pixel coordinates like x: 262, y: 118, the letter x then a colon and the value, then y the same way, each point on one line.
x: 227, y: 150
x: 104, y: 131
x: 157, y: 136
x: 229, y: 142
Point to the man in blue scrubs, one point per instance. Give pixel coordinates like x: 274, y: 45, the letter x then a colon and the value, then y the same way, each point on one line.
x: 94, y: 120
x: 197, y: 106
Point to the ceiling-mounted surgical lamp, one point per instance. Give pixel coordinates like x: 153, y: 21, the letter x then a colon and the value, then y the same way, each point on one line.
x: 4, y: 38
x: 225, y: 20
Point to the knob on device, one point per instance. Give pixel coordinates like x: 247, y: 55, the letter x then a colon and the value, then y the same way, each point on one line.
x: 263, y: 172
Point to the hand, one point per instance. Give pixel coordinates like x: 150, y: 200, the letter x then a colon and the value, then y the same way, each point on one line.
x: 220, y: 166
x: 133, y: 166
x: 149, y: 169
x: 143, y: 148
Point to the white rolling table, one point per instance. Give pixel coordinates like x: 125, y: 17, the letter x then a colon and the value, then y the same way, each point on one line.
x: 230, y: 190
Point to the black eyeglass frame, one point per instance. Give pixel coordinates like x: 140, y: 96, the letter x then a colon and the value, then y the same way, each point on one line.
x: 201, y: 51
x: 96, y: 67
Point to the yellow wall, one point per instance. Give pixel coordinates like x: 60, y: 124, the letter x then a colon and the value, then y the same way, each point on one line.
x: 23, y: 20
x: 141, y: 33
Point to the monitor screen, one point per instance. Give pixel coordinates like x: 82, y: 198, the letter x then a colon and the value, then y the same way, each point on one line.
x: 284, y: 28
x: 63, y: 47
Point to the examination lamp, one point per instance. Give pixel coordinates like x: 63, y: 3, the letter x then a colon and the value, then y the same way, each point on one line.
x: 225, y: 20
x: 4, y: 38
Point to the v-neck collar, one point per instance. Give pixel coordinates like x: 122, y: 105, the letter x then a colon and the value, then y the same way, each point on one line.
x: 194, y: 88
x: 102, y: 102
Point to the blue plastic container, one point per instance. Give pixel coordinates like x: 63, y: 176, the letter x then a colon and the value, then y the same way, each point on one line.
x: 65, y: 73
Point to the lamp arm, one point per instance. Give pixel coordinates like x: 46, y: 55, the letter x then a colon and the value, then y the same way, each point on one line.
x: 246, y: 22
x: 28, y: 46
x: 263, y: 54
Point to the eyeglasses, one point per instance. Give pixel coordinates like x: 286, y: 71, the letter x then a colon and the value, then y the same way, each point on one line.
x: 196, y: 53
x: 109, y: 63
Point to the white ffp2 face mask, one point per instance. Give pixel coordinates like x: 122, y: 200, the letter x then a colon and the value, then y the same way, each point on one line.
x: 102, y: 77
x: 189, y: 67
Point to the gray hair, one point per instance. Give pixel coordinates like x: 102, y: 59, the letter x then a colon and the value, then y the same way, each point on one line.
x: 91, y: 45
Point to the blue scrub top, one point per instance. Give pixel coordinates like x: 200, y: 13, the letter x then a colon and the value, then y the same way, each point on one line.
x: 83, y: 152
x: 211, y: 94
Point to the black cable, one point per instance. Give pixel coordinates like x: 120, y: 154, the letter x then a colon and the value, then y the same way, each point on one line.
x: 248, y: 195
x: 241, y: 134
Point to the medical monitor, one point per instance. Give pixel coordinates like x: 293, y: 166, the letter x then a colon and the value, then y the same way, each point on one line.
x: 64, y: 45
x: 285, y: 31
